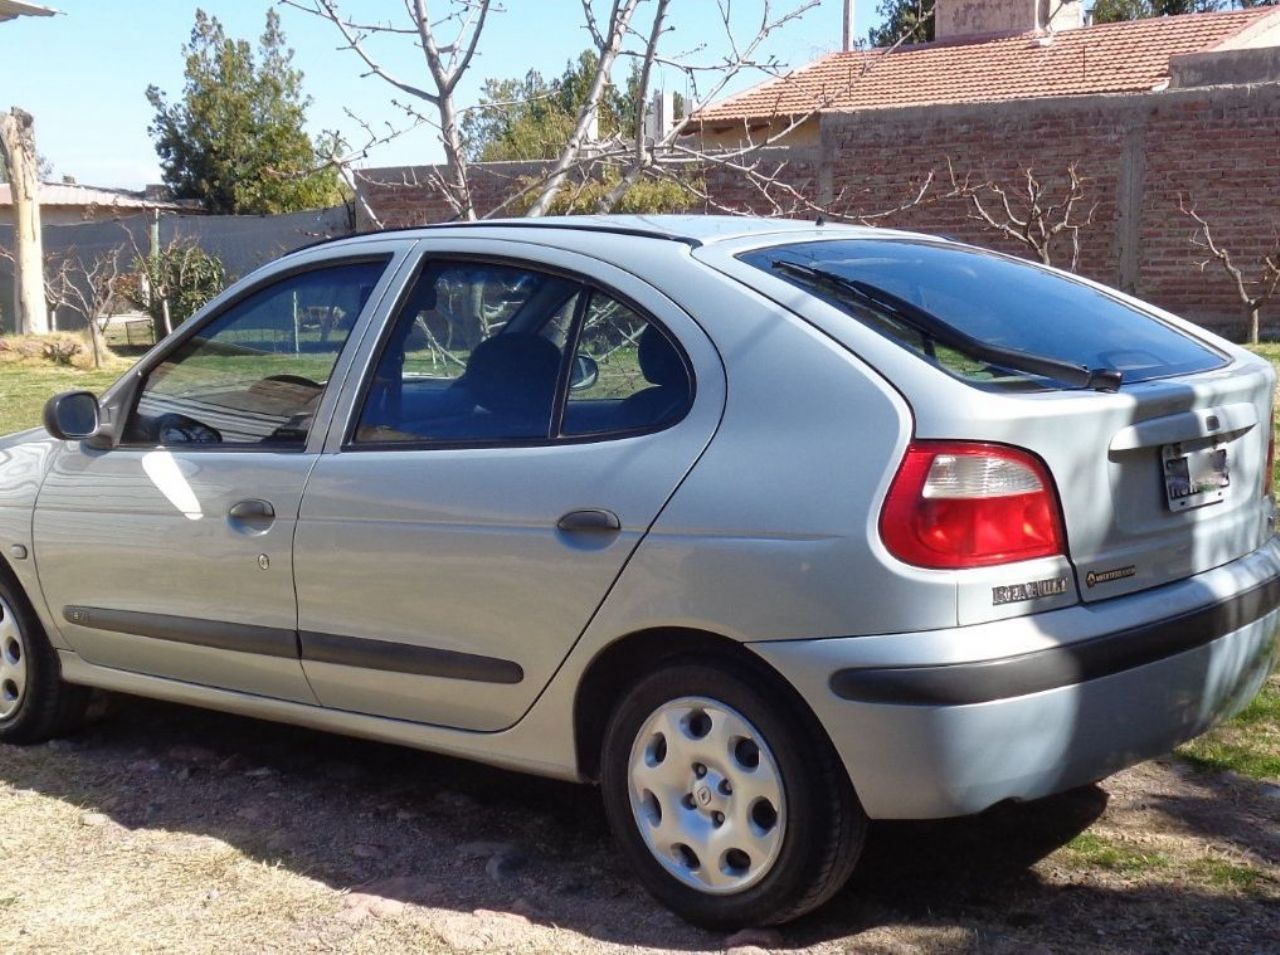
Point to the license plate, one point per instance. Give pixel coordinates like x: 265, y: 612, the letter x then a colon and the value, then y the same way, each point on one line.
x: 1194, y: 477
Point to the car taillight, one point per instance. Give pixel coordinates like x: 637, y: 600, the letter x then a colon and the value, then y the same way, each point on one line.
x: 967, y: 504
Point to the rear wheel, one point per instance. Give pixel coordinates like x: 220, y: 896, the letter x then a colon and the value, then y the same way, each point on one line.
x: 35, y: 704
x: 732, y: 810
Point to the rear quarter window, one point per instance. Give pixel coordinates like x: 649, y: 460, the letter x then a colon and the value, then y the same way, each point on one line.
x: 999, y: 301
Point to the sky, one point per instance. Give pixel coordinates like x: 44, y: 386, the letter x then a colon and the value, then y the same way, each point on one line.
x: 83, y: 74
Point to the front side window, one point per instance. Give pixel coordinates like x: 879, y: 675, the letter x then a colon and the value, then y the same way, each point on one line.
x: 475, y: 355
x: 254, y: 374
x: 901, y: 287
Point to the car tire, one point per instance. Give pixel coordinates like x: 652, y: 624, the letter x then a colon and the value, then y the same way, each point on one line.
x: 35, y: 704
x: 767, y: 864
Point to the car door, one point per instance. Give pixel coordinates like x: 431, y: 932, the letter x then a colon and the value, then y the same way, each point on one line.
x: 504, y: 453
x: 170, y: 553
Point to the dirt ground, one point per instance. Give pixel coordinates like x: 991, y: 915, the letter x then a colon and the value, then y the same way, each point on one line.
x: 164, y: 828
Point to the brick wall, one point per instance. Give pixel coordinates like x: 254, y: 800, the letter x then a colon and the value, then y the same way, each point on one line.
x: 1218, y: 146
x: 408, y: 195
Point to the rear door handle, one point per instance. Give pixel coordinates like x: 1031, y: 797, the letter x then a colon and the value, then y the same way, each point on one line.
x: 590, y: 520
x: 252, y: 512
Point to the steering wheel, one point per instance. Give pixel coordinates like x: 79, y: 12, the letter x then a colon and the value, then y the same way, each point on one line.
x: 173, y: 428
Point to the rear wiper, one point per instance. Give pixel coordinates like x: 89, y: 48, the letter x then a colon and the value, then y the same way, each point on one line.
x: 939, y: 331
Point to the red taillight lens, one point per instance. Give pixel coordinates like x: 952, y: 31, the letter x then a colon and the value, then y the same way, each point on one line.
x: 960, y: 504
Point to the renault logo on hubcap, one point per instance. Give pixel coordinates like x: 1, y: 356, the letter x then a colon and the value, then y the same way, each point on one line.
x: 703, y: 795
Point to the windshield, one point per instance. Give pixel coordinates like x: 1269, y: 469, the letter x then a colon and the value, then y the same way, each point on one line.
x: 994, y: 300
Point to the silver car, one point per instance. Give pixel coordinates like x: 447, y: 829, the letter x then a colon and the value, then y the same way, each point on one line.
x: 768, y: 528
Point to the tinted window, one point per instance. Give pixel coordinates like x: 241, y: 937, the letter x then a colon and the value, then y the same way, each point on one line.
x: 628, y: 375
x: 998, y: 301
x: 255, y: 374
x: 474, y: 355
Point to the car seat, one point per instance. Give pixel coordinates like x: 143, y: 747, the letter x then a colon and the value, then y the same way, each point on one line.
x: 513, y: 381
x: 664, y: 369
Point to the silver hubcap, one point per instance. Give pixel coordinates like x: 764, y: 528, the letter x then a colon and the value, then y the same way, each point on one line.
x: 707, y: 795
x: 13, y: 662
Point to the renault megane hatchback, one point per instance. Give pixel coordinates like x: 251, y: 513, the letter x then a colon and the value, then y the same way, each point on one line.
x: 769, y: 528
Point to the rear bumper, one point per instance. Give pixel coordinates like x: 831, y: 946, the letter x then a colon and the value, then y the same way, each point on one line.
x: 946, y: 723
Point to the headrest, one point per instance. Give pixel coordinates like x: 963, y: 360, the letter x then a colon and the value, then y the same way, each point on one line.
x: 514, y: 373
x: 659, y: 360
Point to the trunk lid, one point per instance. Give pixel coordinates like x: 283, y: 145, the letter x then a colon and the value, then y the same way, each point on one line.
x: 1132, y: 520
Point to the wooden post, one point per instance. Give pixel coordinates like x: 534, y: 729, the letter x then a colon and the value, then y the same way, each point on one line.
x: 18, y: 144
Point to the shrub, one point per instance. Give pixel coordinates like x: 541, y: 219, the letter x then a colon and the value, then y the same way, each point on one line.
x: 652, y: 196
x: 182, y: 274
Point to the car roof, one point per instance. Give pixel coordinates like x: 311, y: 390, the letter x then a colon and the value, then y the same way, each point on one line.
x: 691, y: 230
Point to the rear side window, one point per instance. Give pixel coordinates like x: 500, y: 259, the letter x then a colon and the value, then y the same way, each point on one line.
x: 476, y: 355
x: 994, y: 299
x: 628, y: 374
x: 488, y: 354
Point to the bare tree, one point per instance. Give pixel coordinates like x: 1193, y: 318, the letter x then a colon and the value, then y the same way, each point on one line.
x: 1039, y: 215
x: 637, y: 30
x: 91, y: 287
x: 446, y: 63
x: 1253, y: 293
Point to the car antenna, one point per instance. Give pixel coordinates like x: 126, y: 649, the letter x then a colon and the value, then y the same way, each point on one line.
x: 821, y: 220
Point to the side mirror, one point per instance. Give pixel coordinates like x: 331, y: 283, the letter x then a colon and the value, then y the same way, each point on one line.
x: 72, y: 415
x: 586, y: 372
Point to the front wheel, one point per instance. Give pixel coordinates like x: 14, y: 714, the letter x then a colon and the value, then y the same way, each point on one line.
x: 732, y: 809
x: 35, y: 704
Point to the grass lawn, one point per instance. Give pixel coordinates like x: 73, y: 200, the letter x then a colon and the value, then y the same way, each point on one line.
x: 1248, y: 745
x: 25, y: 387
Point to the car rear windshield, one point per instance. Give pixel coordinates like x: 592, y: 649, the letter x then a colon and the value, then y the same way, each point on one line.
x: 989, y: 299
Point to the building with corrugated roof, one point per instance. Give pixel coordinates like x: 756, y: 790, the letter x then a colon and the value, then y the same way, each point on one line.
x: 65, y: 203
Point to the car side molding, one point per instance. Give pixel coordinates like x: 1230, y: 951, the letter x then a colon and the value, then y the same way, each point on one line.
x: 215, y: 634
x: 306, y: 646
x: 394, y: 657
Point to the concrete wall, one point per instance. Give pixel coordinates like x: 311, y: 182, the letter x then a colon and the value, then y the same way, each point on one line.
x: 242, y: 243
x: 1226, y: 67
x: 963, y: 18
x: 1218, y: 146
x: 737, y: 135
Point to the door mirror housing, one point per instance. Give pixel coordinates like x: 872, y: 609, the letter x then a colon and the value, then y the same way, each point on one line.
x: 586, y: 372
x: 72, y: 415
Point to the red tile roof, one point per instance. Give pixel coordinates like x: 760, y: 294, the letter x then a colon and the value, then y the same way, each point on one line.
x: 1125, y: 57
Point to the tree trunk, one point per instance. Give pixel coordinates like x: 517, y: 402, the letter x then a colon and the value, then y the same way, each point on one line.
x: 17, y: 142
x: 95, y: 336
x: 589, y: 114
x: 1252, y: 315
x: 456, y: 160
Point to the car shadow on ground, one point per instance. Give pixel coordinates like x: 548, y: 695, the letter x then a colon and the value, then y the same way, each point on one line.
x: 448, y: 834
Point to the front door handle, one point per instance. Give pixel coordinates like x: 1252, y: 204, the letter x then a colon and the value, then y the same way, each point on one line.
x: 592, y: 520
x: 252, y: 512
